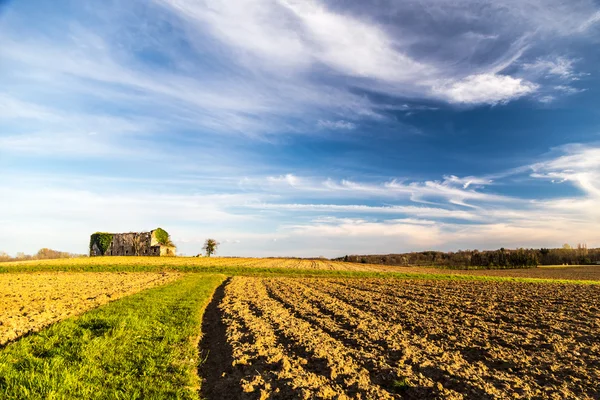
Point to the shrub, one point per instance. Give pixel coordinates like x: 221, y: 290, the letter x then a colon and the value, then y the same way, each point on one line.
x: 162, y: 237
x: 102, y: 240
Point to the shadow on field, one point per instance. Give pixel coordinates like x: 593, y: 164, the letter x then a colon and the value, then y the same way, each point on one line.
x: 217, y: 353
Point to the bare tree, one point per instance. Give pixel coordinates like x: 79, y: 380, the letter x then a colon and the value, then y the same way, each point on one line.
x: 210, y: 246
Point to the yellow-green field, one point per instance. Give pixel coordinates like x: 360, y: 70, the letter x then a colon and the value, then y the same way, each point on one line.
x: 30, y: 301
x: 293, y: 266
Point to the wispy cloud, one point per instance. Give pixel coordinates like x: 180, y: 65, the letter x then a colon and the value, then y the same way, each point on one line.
x: 300, y: 37
x: 265, y: 67
x: 451, y: 189
x: 568, y: 89
x: 580, y: 165
x: 559, y: 66
x: 489, y: 218
x: 340, y: 124
x: 468, y: 181
x: 417, y: 211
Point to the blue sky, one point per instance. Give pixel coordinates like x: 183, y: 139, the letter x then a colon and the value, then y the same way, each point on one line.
x: 301, y: 128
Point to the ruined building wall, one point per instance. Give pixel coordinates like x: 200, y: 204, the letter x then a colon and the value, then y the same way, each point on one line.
x: 167, y: 250
x: 131, y: 244
x: 163, y: 250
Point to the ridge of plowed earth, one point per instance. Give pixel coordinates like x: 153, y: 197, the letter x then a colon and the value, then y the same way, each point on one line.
x: 139, y: 347
x: 378, y: 339
x: 31, y: 301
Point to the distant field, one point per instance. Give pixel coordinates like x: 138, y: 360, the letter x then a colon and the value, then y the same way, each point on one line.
x: 385, y: 339
x: 29, y: 302
x: 190, y: 264
x: 570, y: 272
x: 295, y: 267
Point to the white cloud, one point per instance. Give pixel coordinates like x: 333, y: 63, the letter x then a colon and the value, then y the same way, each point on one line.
x: 418, y: 211
x: 591, y: 21
x: 546, y: 99
x: 414, y: 232
x: 580, y: 165
x: 559, y: 66
x: 351, y: 45
x: 568, y: 89
x: 485, y: 88
x: 288, y: 179
x: 340, y: 124
x: 298, y: 34
x: 468, y: 181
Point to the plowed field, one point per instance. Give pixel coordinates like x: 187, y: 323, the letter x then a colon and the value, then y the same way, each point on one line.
x: 384, y: 339
x: 29, y: 302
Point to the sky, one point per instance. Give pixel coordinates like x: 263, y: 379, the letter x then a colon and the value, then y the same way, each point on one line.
x: 301, y: 127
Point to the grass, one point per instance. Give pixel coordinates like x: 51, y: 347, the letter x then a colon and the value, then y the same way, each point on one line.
x: 400, y: 385
x: 142, y: 346
x: 229, y: 267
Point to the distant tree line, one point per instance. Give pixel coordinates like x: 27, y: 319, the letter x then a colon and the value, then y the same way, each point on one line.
x: 502, y: 258
x: 42, y: 254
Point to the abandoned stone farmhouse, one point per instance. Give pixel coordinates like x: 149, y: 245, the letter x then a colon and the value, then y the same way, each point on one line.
x: 153, y: 243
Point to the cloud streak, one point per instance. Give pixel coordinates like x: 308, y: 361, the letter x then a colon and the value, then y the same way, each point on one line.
x: 266, y: 67
x: 300, y: 37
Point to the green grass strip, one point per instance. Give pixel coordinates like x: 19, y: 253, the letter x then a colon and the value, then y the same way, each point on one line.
x: 142, y: 346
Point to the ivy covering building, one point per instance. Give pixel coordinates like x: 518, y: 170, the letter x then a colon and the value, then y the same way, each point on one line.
x: 153, y: 243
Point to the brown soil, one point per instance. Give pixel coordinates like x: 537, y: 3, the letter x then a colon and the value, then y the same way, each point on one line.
x: 378, y: 339
x: 216, y: 353
x: 31, y: 301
